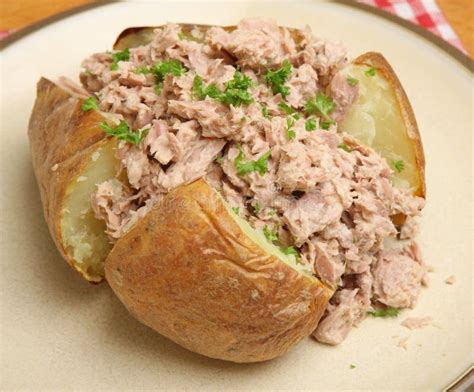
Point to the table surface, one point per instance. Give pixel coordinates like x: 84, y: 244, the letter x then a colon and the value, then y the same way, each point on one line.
x: 18, y: 14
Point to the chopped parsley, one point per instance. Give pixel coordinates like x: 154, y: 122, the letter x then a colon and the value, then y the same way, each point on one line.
x: 89, y: 104
x: 158, y: 87
x: 352, y: 81
x: 321, y: 105
x: 257, y: 207
x: 270, y: 235
x: 352, y: 366
x: 310, y: 124
x: 290, y: 133
x: 344, y: 147
x: 286, y: 108
x: 291, y: 251
x: 276, y: 79
x: 398, y: 165
x: 265, y: 112
x: 388, y: 312
x: 326, y: 124
x: 236, y: 210
x: 371, y: 71
x: 142, y: 69
x: 119, y: 56
x: 123, y: 132
x: 162, y: 68
x: 235, y: 92
x: 260, y: 165
x: 219, y: 159
x: 182, y: 36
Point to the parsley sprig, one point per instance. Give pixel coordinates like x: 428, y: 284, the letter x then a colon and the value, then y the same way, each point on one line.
x: 235, y: 91
x: 290, y: 133
x: 399, y: 166
x: 260, y: 165
x: 124, y: 55
x: 371, y: 71
x: 90, y: 104
x: 271, y: 235
x: 276, y: 79
x: 123, y: 132
x: 322, y: 105
x: 388, y: 312
x: 291, y: 251
x: 160, y: 69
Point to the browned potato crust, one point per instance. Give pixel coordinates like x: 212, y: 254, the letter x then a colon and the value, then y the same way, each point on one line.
x: 190, y: 272
x: 62, y: 138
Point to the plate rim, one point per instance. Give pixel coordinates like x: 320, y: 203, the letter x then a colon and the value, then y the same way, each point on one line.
x: 451, y: 50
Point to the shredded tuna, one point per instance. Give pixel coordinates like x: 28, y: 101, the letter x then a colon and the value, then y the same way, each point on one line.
x: 450, y: 280
x: 417, y: 322
x: 333, y: 206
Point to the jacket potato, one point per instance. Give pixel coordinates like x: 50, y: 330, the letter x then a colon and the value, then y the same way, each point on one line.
x: 191, y: 268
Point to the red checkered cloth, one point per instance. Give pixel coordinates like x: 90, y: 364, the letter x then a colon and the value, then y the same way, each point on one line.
x: 424, y: 13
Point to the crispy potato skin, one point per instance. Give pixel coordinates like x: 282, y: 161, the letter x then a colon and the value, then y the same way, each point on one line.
x: 378, y: 61
x: 188, y: 271
x: 60, y: 134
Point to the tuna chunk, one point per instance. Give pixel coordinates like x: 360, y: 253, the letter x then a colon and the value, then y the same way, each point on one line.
x: 343, y: 94
x: 255, y: 42
x: 398, y: 277
x: 313, y: 212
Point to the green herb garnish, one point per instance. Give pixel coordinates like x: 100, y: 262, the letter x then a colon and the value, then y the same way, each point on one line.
x: 352, y: 81
x: 236, y: 210
x: 344, y: 147
x: 352, y: 366
x: 398, y: 165
x: 326, y: 124
x: 265, y: 112
x: 257, y: 207
x: 89, y: 104
x: 276, y: 79
x: 142, y: 69
x: 162, y: 68
x: 321, y: 105
x: 310, y: 124
x: 260, y: 165
x: 388, y: 312
x: 371, y: 71
x: 290, y: 133
x: 291, y: 251
x: 181, y: 36
x: 119, y: 56
x: 285, y: 108
x: 235, y: 92
x: 271, y: 235
x: 123, y: 132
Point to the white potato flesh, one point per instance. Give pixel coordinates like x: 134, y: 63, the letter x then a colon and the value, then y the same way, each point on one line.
x: 83, y: 234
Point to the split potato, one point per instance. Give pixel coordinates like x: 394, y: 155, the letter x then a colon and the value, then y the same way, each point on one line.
x: 195, y: 272
x: 382, y: 118
x: 70, y: 155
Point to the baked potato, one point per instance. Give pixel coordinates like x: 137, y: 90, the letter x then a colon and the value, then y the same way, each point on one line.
x: 192, y: 269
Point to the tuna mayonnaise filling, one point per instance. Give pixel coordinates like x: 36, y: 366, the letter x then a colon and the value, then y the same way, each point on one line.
x: 255, y: 112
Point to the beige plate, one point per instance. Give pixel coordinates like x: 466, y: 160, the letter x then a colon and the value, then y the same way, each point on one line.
x: 58, y: 332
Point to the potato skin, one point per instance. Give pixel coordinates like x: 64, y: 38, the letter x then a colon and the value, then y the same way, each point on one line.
x: 378, y: 61
x: 188, y: 271
x: 60, y: 134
